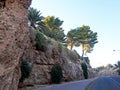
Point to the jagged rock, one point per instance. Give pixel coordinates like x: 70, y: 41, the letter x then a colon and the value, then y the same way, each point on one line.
x: 17, y: 42
x: 44, y: 60
x: 13, y: 40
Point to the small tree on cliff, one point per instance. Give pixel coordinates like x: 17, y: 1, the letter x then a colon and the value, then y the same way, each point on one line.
x: 35, y: 18
x: 40, y: 41
x: 25, y: 70
x: 85, y: 70
x: 56, y: 74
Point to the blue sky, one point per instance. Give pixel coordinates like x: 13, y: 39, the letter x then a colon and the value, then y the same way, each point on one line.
x: 103, y: 16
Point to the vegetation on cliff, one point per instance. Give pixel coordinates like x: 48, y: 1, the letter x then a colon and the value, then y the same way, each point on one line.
x: 25, y: 70
x: 40, y: 41
x: 56, y: 74
x: 51, y: 27
x: 85, y: 70
x: 82, y: 36
x: 49, y: 31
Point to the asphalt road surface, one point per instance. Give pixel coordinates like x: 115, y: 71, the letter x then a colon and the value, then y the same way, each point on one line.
x: 105, y: 83
x: 98, y: 83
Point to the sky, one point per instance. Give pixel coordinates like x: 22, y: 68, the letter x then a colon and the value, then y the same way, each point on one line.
x: 103, y: 17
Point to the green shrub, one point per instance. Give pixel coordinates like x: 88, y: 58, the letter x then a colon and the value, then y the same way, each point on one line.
x: 56, y: 74
x: 25, y: 70
x: 86, y: 60
x: 40, y: 41
x: 85, y: 70
x: 46, y: 31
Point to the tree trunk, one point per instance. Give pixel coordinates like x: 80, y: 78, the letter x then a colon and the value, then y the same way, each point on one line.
x: 82, y: 51
x: 71, y: 46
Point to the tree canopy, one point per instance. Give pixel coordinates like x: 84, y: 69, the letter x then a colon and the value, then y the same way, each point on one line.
x: 35, y: 18
x: 71, y: 38
x: 54, y: 26
x: 53, y: 23
x: 82, y: 36
x: 51, y: 26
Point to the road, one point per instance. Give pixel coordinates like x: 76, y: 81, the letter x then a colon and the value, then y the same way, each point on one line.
x: 98, y: 83
x: 105, y: 83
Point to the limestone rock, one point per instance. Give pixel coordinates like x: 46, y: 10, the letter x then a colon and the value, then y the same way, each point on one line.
x: 17, y: 42
x: 13, y: 32
x: 43, y: 61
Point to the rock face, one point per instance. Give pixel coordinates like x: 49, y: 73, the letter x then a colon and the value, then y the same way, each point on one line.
x: 17, y: 42
x: 43, y: 61
x: 13, y: 40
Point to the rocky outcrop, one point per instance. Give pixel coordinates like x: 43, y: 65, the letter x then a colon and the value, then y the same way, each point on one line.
x: 17, y: 42
x: 43, y: 61
x: 108, y: 72
x: 13, y: 40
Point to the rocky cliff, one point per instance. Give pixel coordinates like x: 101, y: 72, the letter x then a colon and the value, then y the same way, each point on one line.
x: 13, y: 40
x: 43, y: 60
x: 17, y: 42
